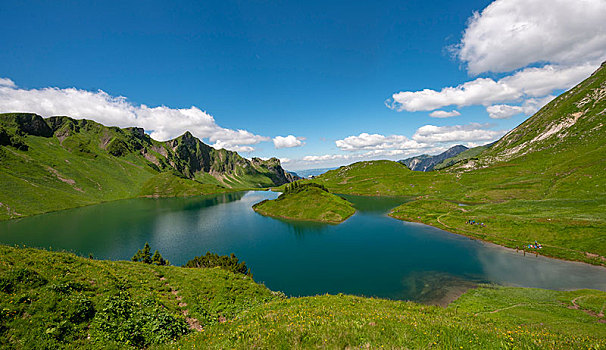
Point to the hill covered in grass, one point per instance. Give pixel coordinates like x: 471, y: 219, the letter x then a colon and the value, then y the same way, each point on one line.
x: 545, y: 181
x: 307, y: 202
x: 425, y: 162
x: 55, y: 300
x: 59, y: 162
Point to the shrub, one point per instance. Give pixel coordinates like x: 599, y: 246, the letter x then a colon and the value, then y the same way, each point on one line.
x: 144, y: 256
x: 298, y: 186
x: 227, y: 262
x: 12, y: 279
x: 139, y: 324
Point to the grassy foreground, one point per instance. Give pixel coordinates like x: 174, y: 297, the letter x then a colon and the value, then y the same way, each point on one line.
x: 52, y: 300
x: 308, y: 203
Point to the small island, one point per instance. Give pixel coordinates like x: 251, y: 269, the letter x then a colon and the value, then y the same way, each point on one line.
x: 307, y: 202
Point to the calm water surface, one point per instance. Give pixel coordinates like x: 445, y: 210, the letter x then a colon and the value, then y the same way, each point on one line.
x: 370, y: 254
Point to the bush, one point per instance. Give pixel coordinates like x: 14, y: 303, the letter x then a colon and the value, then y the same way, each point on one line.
x: 298, y: 186
x: 145, y: 256
x: 227, y: 262
x: 139, y: 324
x: 12, y: 279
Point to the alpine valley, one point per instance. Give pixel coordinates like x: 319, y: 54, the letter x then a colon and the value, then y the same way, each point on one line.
x: 110, y: 239
x: 59, y: 162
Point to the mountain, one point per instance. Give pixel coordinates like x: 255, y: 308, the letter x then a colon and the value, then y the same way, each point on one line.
x: 313, y: 172
x: 570, y: 129
x: 426, y: 162
x: 543, y: 181
x: 59, y: 162
x: 462, y: 157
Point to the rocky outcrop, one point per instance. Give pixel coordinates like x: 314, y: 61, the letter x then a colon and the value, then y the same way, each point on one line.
x: 185, y: 155
x: 426, y: 162
x: 27, y: 123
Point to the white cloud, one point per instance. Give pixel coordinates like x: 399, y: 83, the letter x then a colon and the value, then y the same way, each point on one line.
x: 6, y: 82
x: 427, y: 139
x: 511, y: 34
x: 472, y: 132
x: 444, y: 114
x: 529, y: 107
x: 366, y: 141
x: 326, y: 157
x: 530, y: 82
x: 548, y: 45
x: 289, y: 141
x: 163, y: 122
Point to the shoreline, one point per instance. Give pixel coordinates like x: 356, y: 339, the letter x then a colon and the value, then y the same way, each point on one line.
x: 487, y: 242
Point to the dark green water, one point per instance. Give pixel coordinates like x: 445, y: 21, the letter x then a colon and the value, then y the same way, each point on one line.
x: 369, y: 254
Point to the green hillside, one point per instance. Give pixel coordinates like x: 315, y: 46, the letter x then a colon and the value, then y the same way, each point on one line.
x: 307, y: 202
x: 52, y: 300
x: 58, y: 163
x: 464, y: 156
x: 545, y: 181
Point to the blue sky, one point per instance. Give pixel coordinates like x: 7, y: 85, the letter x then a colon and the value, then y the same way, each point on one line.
x: 322, y: 71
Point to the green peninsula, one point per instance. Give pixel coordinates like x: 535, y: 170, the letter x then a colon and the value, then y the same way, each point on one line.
x: 307, y: 202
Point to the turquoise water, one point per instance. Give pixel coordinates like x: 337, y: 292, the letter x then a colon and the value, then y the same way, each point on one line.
x: 370, y: 254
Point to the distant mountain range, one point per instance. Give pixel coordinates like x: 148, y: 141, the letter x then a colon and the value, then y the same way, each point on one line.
x: 60, y: 162
x: 425, y: 162
x: 313, y: 172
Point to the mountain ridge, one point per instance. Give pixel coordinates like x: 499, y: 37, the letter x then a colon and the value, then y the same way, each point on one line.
x: 60, y: 162
x: 426, y: 162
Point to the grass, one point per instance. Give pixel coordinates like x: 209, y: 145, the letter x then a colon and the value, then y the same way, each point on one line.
x: 59, y: 163
x: 59, y: 300
x: 567, y: 229
x: 310, y: 204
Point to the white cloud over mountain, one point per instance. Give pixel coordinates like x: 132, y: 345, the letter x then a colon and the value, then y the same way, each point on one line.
x: 511, y: 34
x: 549, y: 45
x: 529, y: 107
x: 163, y: 122
x: 366, y: 141
x: 289, y: 141
x: 472, y: 132
x: 429, y: 139
x: 527, y: 83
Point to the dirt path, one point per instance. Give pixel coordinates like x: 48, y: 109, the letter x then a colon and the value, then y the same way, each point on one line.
x: 499, y: 310
x: 576, y: 306
x: 193, y: 323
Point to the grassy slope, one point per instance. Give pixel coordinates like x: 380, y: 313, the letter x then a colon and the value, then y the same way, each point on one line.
x: 34, y: 315
x: 41, y: 315
x: 84, y: 163
x: 311, y: 204
x: 170, y: 185
x: 526, y: 187
x: 461, y: 157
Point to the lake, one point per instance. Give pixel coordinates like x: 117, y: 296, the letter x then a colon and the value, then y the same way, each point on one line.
x: 370, y: 254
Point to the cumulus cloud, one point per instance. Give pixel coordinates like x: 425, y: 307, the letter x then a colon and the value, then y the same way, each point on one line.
x: 529, y: 107
x: 163, y: 122
x: 289, y: 141
x: 530, y: 82
x: 548, y: 45
x: 6, y: 82
x: 444, y: 114
x: 366, y: 141
x: 472, y: 132
x: 511, y: 34
x: 429, y: 139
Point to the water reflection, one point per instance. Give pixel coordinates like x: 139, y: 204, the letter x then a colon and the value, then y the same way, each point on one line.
x: 369, y: 254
